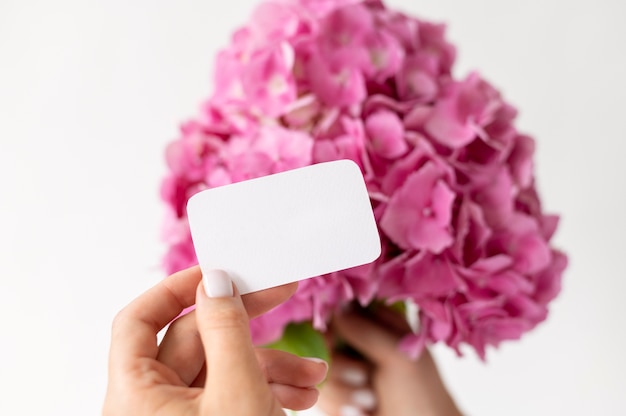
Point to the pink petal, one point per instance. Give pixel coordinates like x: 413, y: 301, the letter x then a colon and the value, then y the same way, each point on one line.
x: 386, y: 134
x: 401, y: 169
x: 445, y: 125
x: 521, y: 161
x: 524, y: 307
x: 274, y: 22
x: 385, y: 56
x: 510, y: 283
x: 341, y: 87
x: 496, y: 199
x: 549, y: 280
x: 432, y: 276
x: 418, y: 214
x: 549, y: 224
x: 414, y: 81
x: 268, y: 82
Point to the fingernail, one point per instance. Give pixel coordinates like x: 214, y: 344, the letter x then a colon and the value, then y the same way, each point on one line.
x: 316, y: 360
x: 350, y: 411
x: 217, y: 284
x: 354, y: 377
x: 364, y: 398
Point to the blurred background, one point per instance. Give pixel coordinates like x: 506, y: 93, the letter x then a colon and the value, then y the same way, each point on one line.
x: 91, y: 92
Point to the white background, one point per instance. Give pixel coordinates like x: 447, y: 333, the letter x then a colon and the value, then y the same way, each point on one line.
x: 90, y: 93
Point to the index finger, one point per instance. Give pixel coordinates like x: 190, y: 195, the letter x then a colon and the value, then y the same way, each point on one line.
x: 378, y: 344
x: 136, y: 326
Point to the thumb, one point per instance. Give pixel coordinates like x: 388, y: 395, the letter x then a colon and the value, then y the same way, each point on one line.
x: 232, y: 367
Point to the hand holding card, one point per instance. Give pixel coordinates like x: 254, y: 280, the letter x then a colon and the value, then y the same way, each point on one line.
x: 290, y: 226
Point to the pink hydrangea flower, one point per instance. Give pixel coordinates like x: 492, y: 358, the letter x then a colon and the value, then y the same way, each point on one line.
x: 450, y: 177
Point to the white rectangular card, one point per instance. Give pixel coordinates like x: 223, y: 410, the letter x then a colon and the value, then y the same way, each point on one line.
x: 289, y: 226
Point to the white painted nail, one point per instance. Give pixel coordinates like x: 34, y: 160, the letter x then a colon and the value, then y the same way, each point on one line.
x: 348, y: 410
x: 354, y: 377
x: 364, y: 398
x: 316, y: 360
x: 217, y: 284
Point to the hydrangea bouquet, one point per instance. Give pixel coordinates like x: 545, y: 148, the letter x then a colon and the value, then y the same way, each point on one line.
x: 450, y: 178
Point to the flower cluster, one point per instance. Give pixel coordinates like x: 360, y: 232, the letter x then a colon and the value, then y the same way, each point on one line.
x: 449, y: 176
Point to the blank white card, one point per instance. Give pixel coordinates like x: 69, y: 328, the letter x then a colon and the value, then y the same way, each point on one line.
x: 285, y: 227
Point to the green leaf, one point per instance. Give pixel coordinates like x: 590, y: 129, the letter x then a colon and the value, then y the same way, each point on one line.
x: 399, y: 306
x: 303, y: 340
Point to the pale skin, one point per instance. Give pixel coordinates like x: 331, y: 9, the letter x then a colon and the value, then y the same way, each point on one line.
x: 206, y: 363
x: 397, y: 385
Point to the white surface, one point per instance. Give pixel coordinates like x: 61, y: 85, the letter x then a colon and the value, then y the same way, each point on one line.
x: 258, y: 230
x: 91, y: 91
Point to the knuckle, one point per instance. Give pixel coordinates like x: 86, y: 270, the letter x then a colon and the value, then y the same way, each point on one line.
x: 227, y: 317
x: 183, y: 324
x: 118, y: 320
